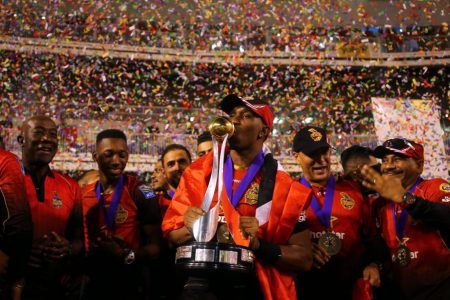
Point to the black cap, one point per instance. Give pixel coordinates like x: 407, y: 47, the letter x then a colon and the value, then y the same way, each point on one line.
x: 310, y: 139
x: 204, y: 137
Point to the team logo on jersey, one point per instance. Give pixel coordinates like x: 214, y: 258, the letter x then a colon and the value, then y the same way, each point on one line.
x: 147, y: 191
x: 251, y: 195
x: 315, y: 135
x: 121, y: 215
x: 346, y: 201
x: 445, y: 187
x: 56, y: 200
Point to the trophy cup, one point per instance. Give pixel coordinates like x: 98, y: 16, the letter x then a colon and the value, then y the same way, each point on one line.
x: 205, y: 255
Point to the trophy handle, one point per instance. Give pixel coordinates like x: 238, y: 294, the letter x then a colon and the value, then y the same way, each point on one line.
x: 205, y: 227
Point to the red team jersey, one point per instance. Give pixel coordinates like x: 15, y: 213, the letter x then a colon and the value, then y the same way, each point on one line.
x: 15, y: 211
x: 349, y: 219
x: 429, y: 267
x: 127, y: 219
x: 62, y: 197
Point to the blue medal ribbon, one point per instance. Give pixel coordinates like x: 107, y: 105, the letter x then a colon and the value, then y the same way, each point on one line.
x: 110, y: 213
x: 170, y: 194
x: 323, y: 214
x: 245, y: 182
x: 401, y: 223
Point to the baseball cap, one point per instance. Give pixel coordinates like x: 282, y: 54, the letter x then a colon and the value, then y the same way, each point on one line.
x: 310, y: 139
x: 259, y: 107
x: 400, y: 146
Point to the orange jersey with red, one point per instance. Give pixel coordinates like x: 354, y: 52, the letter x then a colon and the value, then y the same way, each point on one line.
x: 277, y: 217
x: 62, y: 198
x: 430, y: 256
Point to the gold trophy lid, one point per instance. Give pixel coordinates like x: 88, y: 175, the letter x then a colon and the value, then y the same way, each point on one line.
x: 221, y: 126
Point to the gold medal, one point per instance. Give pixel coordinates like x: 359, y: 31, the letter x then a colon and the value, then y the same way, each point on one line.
x: 331, y: 243
x: 402, y: 255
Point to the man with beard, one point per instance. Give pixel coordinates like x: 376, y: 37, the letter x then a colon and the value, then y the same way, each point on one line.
x: 55, y: 205
x: 16, y: 231
x: 416, y: 220
x: 253, y: 182
x: 121, y: 222
x: 175, y: 159
x: 338, y: 218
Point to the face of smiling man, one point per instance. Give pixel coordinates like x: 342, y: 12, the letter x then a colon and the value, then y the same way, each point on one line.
x: 39, y: 140
x: 111, y: 155
x: 316, y: 167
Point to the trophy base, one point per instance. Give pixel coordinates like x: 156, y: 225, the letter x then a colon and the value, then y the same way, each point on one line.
x: 201, y: 258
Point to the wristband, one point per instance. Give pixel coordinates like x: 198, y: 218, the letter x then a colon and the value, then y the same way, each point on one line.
x: 130, y: 257
x: 408, y: 199
x: 267, y: 252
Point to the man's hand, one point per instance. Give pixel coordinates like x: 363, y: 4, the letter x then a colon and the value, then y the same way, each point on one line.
x: 372, y: 274
x: 4, y: 259
x: 110, y: 247
x: 320, y: 256
x: 249, y: 227
x: 389, y: 187
x: 56, y: 248
x: 191, y: 215
x: 36, y: 257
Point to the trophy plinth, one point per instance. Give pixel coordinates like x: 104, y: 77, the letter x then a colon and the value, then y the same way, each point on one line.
x: 203, y: 258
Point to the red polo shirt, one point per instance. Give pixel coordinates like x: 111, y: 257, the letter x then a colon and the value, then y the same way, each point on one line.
x: 53, y: 203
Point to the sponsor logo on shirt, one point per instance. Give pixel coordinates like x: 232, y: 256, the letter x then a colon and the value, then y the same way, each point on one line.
x: 302, y: 217
x: 445, y: 187
x: 446, y: 199
x: 346, y: 201
x: 317, y: 235
x: 147, y: 191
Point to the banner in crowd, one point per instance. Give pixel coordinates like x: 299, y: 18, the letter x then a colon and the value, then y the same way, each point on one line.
x: 416, y: 120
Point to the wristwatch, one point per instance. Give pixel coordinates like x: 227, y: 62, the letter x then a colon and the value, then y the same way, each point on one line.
x: 408, y: 198
x: 129, y: 258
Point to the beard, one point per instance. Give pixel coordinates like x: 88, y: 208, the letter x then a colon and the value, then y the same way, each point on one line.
x: 174, y: 180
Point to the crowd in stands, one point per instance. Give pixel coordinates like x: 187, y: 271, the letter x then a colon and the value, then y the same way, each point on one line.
x: 175, y: 97
x: 306, y: 26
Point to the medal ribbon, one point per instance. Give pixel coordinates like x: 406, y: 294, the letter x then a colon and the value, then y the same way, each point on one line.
x: 170, y: 194
x: 401, y: 224
x: 110, y: 213
x: 323, y: 214
x: 245, y: 182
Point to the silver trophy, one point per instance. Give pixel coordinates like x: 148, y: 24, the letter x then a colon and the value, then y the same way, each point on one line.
x: 203, y: 254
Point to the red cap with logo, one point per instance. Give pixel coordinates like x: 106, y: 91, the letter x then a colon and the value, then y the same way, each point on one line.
x: 400, y: 146
x: 259, y: 107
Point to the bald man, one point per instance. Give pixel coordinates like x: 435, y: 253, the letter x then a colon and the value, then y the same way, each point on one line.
x: 55, y: 205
